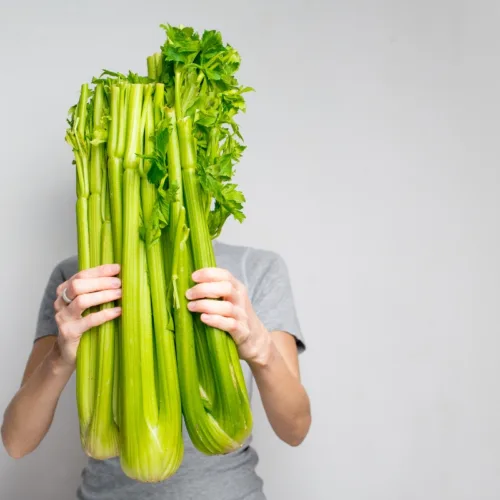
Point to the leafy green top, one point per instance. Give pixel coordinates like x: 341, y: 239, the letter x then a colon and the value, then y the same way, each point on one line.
x: 198, y: 73
x: 202, y: 71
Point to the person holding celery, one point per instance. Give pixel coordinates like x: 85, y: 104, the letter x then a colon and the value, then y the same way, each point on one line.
x: 155, y: 310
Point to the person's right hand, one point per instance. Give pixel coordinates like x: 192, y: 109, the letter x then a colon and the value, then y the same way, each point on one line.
x: 88, y: 288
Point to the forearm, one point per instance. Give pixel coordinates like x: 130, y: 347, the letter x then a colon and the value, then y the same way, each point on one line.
x: 29, y: 415
x: 283, y: 396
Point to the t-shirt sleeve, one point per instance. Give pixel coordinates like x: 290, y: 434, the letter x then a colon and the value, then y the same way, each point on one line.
x: 46, y: 323
x: 273, y: 299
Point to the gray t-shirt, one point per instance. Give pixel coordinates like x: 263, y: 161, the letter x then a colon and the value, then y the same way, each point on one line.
x: 200, y: 477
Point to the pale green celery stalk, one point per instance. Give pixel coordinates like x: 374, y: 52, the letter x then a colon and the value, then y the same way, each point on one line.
x: 102, y: 438
x: 84, y: 363
x: 205, y: 432
x: 199, y: 386
x: 169, y: 423
x: 130, y: 381
x: 174, y: 167
x: 174, y: 178
x: 151, y: 61
x: 143, y: 451
x: 76, y: 138
x: 116, y: 149
x: 159, y: 64
x: 149, y: 445
x: 155, y: 63
x: 97, y: 161
x: 231, y: 407
x: 160, y: 115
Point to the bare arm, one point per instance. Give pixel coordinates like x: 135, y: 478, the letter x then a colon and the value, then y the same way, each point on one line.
x: 29, y: 415
x: 272, y: 357
x: 276, y: 372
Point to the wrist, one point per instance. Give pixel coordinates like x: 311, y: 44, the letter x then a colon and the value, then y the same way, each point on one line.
x: 264, y: 351
x: 57, y: 363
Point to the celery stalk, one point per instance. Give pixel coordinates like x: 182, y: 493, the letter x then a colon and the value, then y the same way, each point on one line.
x: 116, y: 151
x: 170, y: 421
x: 130, y: 384
x: 150, y: 414
x: 231, y: 406
x: 102, y: 439
x: 77, y: 137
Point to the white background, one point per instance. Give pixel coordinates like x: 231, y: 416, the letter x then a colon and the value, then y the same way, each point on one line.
x: 372, y: 167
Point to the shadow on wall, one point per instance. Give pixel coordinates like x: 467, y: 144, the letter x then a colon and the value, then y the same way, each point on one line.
x: 52, y: 472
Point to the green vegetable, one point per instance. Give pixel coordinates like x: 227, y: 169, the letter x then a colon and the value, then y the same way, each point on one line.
x: 217, y: 415
x: 155, y: 159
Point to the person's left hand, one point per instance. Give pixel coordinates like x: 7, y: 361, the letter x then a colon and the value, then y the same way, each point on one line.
x: 233, y: 314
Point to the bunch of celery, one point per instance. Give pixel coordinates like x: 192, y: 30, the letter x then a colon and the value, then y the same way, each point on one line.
x: 154, y: 163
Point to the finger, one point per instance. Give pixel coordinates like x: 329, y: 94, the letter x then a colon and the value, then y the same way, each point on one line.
x: 93, y: 320
x: 220, y: 307
x: 229, y: 325
x: 80, y: 286
x: 214, y: 274
x: 99, y: 271
x: 212, y: 290
x: 59, y: 304
x: 106, y: 270
x: 83, y: 302
x: 61, y: 287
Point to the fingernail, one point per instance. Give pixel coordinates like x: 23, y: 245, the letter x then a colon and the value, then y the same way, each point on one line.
x: 191, y: 306
x: 117, y: 310
x: 116, y: 281
x: 189, y: 294
x: 195, y: 275
x: 118, y: 292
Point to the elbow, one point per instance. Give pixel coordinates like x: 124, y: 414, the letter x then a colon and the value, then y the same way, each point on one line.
x: 15, y: 453
x: 299, y: 433
x: 13, y: 450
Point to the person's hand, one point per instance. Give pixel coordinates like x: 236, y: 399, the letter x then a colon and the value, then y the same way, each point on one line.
x: 233, y: 314
x: 91, y: 287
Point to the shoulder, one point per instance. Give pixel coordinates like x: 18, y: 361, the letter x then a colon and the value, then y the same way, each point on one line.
x: 254, y: 265
x: 253, y: 258
x: 64, y: 269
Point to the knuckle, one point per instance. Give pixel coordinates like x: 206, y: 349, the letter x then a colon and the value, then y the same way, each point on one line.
x: 80, y: 302
x: 91, y: 321
x: 64, y: 331
x: 74, y: 287
x: 243, y: 339
x: 58, y: 318
x: 108, y: 314
x: 60, y: 288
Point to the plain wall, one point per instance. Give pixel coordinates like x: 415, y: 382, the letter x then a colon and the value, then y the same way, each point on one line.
x: 372, y: 167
